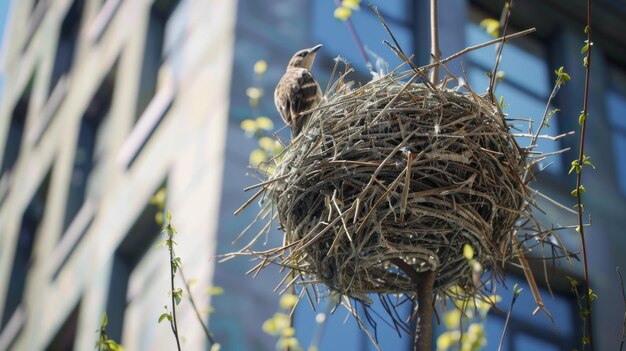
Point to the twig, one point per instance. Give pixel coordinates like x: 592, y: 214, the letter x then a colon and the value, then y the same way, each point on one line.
x: 581, y: 160
x: 397, y: 49
x: 544, y: 119
x: 195, y: 308
x: 434, y: 40
x: 516, y: 293
x: 292, y: 315
x: 319, y: 332
x: 480, y: 46
x: 357, y: 40
x: 173, y: 322
x: 505, y: 27
x: 621, y: 281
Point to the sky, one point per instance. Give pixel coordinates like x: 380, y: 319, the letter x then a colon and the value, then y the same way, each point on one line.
x: 4, y: 10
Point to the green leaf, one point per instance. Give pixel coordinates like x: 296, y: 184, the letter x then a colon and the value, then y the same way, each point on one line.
x: 549, y: 117
x: 215, y: 290
x: 561, y: 76
x: 105, y: 320
x: 113, y: 346
x: 584, y: 49
x: 584, y: 313
x: 575, y: 167
x: 178, y: 295
x: 586, y: 30
x: 176, y: 263
x: 165, y: 315
x: 342, y: 13
x: 582, y: 118
x: 468, y: 251
x: 491, y: 26
x: 572, y: 282
x: 592, y: 295
x: 587, y: 161
x: 500, y: 75
x: 502, y: 104
x: 581, y: 189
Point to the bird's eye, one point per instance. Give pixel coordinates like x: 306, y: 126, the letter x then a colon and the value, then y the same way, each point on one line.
x: 302, y: 54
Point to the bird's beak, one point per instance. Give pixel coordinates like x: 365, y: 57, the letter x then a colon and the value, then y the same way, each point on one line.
x: 314, y: 49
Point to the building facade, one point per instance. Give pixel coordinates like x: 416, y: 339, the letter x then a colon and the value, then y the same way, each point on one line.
x: 104, y: 102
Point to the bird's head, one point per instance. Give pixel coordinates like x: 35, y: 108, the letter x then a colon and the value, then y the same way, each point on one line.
x: 304, y: 58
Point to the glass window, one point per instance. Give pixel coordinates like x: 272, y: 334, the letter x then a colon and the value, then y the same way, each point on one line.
x: 131, y: 251
x: 15, y: 131
x: 64, y: 339
x: 526, y: 87
x: 160, y: 41
x: 337, y: 40
x: 528, y: 332
x: 87, y: 146
x: 616, y: 108
x: 22, y: 259
x: 66, y: 45
x: 341, y: 330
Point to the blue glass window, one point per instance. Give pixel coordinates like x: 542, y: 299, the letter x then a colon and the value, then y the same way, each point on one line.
x: 526, y: 87
x: 616, y: 108
x: 337, y: 40
x: 4, y: 11
x: 528, y: 332
x: 342, y: 332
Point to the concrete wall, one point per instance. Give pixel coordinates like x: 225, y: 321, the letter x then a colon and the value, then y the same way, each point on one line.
x: 177, y: 139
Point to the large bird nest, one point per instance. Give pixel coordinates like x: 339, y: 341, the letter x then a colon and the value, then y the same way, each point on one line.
x: 390, y: 171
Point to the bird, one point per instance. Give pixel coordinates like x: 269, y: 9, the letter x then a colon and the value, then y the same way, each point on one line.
x: 298, y: 91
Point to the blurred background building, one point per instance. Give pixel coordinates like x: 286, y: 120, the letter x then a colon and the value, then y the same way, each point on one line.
x: 104, y: 102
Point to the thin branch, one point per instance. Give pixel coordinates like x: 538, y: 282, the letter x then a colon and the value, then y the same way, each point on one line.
x: 195, y: 308
x: 544, y: 121
x: 173, y: 322
x: 357, y: 40
x: 397, y: 49
x: 480, y: 46
x: 508, y: 315
x: 505, y: 27
x: 319, y: 332
x: 621, y: 281
x: 434, y: 40
x: 581, y: 160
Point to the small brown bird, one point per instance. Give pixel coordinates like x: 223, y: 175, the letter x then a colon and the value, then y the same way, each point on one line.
x: 297, y: 91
